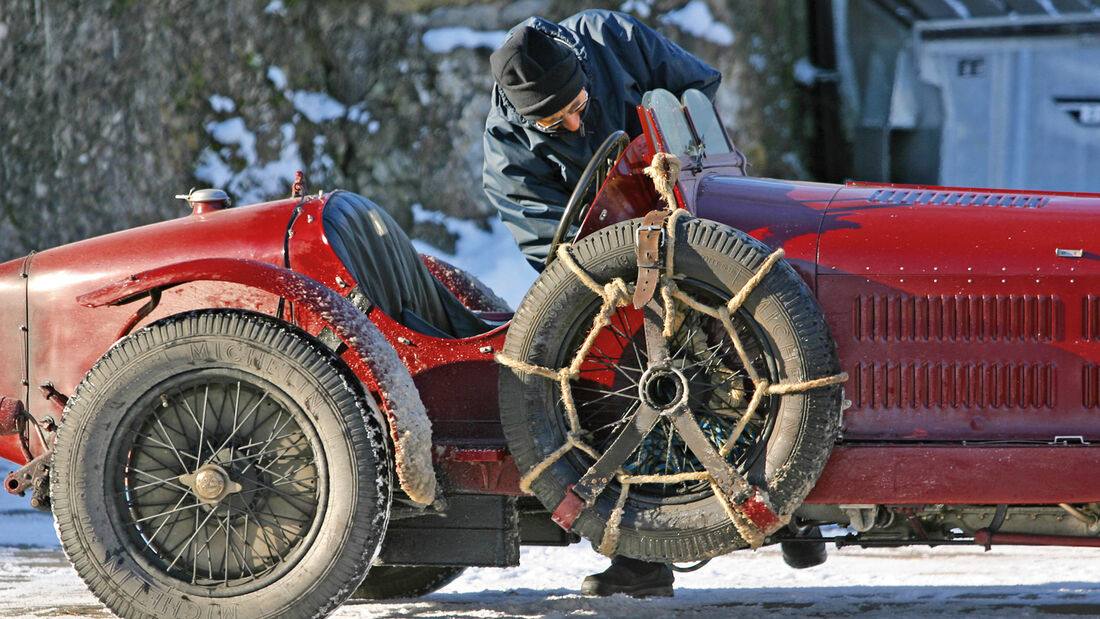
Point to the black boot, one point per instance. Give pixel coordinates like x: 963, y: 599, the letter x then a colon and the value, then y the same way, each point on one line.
x: 801, y: 555
x: 630, y: 576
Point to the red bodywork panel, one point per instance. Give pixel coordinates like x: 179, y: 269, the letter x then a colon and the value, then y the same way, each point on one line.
x: 64, y: 338
x: 956, y: 318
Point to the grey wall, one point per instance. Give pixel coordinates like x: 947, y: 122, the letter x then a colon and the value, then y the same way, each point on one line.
x: 105, y: 108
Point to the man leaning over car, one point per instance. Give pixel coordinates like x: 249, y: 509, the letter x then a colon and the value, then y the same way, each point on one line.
x: 560, y: 90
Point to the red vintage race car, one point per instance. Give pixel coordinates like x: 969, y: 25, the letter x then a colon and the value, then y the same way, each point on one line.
x: 248, y: 411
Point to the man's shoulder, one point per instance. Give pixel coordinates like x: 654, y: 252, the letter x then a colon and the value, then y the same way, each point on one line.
x: 600, y: 22
x: 503, y: 126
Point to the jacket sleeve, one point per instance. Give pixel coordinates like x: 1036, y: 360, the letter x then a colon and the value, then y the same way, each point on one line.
x: 651, y: 58
x: 526, y: 190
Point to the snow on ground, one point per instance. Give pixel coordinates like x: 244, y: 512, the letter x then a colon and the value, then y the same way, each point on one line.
x: 963, y: 582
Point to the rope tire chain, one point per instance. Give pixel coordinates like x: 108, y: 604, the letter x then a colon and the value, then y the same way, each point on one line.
x: 618, y: 293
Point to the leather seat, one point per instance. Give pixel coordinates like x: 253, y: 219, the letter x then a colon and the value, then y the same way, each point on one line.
x: 382, y: 261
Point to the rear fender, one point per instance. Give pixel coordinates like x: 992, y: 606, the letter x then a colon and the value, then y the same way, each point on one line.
x: 409, y: 425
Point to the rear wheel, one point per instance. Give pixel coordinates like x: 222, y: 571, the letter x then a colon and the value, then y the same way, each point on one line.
x: 385, y: 582
x: 221, y: 462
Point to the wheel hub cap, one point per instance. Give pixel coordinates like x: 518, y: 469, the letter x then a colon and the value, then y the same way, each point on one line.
x: 663, y: 388
x: 210, y: 483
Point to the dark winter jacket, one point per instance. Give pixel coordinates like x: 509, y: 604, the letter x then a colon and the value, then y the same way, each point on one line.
x: 529, y: 173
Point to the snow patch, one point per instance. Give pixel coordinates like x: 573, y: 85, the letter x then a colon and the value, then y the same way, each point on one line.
x: 359, y: 113
x: 275, y: 7
x: 322, y: 161
x: 641, y: 8
x: 257, y: 181
x: 947, y: 583
x: 277, y: 77
x: 234, y: 132
x: 317, y: 107
x: 222, y: 104
x: 212, y: 169
x: 758, y: 62
x: 490, y: 255
x: 696, y: 19
x: 446, y: 40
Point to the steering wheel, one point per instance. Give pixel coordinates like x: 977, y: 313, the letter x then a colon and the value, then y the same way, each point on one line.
x: 594, y: 174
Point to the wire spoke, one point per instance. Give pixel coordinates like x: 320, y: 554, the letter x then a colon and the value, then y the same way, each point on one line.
x: 289, y: 498
x: 618, y: 393
x: 237, y: 426
x: 640, y: 355
x: 160, y: 480
x: 285, y: 476
x: 167, y: 513
x: 198, y: 529
x: 157, y: 444
x: 149, y: 540
x: 175, y: 451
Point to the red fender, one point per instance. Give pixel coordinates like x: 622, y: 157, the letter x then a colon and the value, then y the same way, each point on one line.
x: 408, y: 420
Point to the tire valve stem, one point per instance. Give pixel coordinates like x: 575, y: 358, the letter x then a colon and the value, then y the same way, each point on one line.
x: 163, y: 401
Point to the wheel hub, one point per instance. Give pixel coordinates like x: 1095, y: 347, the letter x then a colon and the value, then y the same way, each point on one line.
x: 664, y: 388
x: 210, y: 483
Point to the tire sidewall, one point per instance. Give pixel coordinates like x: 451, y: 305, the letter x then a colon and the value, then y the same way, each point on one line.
x: 86, y: 454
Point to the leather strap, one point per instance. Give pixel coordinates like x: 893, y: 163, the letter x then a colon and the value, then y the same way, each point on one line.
x: 648, y: 240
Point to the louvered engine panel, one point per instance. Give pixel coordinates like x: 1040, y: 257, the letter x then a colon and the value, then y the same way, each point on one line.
x: 913, y: 385
x: 887, y: 318
x: 956, y: 198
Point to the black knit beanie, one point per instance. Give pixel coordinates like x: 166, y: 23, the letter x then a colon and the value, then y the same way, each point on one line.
x: 538, y: 75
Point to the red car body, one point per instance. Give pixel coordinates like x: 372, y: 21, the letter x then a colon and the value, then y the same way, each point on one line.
x: 968, y: 320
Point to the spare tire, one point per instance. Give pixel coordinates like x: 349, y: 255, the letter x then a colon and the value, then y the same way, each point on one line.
x: 784, y: 446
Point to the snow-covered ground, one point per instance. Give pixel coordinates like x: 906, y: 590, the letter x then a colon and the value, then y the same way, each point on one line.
x: 36, y: 581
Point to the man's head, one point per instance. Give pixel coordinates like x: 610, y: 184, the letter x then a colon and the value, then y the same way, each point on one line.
x: 542, y: 78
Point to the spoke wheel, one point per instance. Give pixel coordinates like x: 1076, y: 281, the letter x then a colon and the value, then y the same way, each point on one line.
x: 222, y: 479
x: 615, y: 372
x: 634, y: 416
x: 221, y: 463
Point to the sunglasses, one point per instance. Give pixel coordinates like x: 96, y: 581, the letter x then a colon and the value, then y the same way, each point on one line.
x: 576, y: 108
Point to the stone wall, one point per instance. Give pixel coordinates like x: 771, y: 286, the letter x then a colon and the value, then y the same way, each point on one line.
x: 108, y: 109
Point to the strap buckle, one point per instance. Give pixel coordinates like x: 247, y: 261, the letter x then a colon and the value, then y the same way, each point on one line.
x: 658, y: 228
